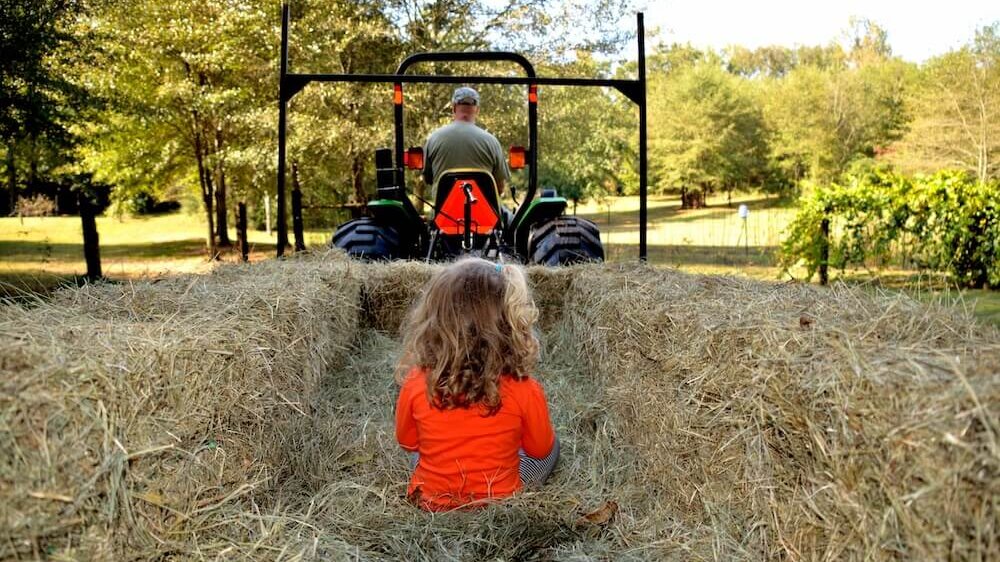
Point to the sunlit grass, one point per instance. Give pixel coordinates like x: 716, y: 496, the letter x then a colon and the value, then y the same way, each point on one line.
x: 39, y: 248
x: 717, y: 228
x: 37, y: 253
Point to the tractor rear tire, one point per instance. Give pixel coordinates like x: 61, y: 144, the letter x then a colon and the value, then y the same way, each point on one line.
x: 366, y: 239
x: 565, y: 241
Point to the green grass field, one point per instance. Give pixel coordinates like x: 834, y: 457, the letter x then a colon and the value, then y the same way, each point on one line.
x: 37, y: 253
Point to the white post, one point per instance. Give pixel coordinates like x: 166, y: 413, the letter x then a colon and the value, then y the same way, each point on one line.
x: 744, y: 212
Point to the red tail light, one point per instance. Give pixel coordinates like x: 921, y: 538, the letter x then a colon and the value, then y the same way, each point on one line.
x: 533, y: 93
x: 397, y: 94
x: 413, y: 158
x: 518, y: 157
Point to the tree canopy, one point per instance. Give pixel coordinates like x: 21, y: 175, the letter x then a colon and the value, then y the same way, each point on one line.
x: 177, y: 100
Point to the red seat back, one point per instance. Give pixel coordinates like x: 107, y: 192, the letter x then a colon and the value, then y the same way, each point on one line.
x: 450, y: 218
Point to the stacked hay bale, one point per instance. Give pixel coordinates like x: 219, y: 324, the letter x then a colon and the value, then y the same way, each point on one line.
x: 700, y: 418
x: 787, y: 421
x: 137, y: 418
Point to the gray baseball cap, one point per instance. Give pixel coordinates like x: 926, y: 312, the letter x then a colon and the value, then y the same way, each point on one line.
x: 465, y: 95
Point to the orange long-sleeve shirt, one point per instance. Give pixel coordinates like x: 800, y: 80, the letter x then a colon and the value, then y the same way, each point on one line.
x: 464, y: 455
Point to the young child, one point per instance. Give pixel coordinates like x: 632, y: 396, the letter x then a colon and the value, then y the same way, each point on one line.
x: 468, y: 408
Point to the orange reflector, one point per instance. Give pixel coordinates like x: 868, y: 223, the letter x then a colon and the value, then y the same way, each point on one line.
x: 413, y: 158
x: 517, y: 157
x: 451, y: 216
x: 397, y: 94
x: 533, y: 93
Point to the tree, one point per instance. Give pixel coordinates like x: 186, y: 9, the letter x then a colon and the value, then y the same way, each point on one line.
x: 586, y: 135
x: 705, y: 133
x: 38, y: 102
x: 824, y: 118
x: 956, y: 111
x: 193, y: 88
x: 182, y: 77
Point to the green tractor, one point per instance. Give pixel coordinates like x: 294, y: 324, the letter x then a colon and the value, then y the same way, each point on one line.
x: 467, y: 217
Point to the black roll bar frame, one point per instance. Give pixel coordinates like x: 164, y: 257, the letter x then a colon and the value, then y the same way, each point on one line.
x: 293, y: 83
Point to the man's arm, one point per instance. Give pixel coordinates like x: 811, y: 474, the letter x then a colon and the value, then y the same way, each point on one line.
x: 427, y: 173
x: 501, y: 173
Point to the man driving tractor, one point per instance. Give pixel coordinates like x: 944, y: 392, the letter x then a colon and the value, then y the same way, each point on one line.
x: 461, y: 144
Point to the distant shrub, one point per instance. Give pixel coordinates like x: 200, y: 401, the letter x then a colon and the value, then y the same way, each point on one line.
x: 37, y: 206
x: 946, y: 222
x: 146, y: 204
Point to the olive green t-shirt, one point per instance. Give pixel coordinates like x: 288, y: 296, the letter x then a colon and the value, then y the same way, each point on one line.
x: 461, y: 144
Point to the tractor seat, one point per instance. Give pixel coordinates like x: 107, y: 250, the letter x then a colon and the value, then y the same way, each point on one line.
x: 450, y: 201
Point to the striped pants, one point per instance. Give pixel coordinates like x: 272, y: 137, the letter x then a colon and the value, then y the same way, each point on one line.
x: 534, y: 472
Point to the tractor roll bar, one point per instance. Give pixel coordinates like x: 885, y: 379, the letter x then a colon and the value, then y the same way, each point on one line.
x: 291, y: 84
x: 495, y: 56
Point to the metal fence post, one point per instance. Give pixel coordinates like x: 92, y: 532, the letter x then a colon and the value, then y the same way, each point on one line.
x: 297, y: 227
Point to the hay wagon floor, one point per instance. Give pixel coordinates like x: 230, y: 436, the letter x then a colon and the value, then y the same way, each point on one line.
x: 350, y: 461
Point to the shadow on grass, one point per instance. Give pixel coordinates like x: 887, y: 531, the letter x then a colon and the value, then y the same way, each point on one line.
x: 40, y: 251
x: 674, y: 214
x: 766, y: 256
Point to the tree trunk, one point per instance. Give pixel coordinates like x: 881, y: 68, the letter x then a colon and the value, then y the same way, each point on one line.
x: 421, y: 190
x: 221, y: 224
x: 210, y: 213
x: 11, y: 176
x: 32, y: 164
x: 205, y: 180
x: 91, y: 242
x: 358, y: 177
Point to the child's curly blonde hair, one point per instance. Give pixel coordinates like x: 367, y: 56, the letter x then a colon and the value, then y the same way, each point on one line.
x: 473, y: 323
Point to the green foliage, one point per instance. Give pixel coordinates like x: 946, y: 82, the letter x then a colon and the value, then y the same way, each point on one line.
x: 946, y: 222
x: 187, y: 92
x: 586, y: 135
x: 705, y: 131
x: 42, y: 42
x: 956, y: 111
x: 824, y: 118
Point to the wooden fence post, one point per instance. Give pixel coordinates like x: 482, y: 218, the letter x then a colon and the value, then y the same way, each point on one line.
x: 91, y: 244
x: 824, y: 251
x: 241, y: 231
x: 297, y: 227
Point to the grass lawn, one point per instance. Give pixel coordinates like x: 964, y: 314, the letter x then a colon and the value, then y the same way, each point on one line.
x: 37, y: 253
x: 713, y: 236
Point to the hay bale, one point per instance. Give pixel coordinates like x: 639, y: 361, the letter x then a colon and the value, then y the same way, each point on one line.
x: 389, y: 290
x: 137, y: 413
x: 700, y: 418
x: 799, y: 422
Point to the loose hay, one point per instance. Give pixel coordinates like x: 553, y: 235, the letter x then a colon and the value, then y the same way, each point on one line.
x: 248, y: 414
